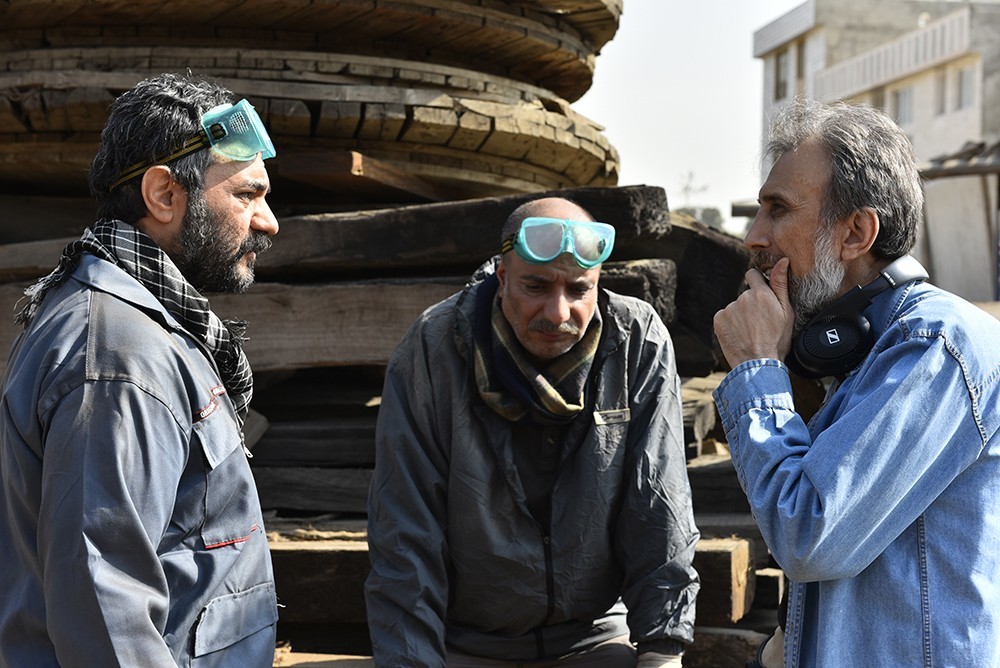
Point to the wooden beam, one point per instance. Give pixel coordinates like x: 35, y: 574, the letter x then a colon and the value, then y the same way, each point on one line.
x: 351, y: 171
x: 728, y: 580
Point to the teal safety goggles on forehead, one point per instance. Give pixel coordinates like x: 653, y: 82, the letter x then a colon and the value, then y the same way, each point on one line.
x: 544, y: 239
x: 234, y: 131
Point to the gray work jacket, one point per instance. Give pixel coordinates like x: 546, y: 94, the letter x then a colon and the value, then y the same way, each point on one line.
x: 130, y: 527
x: 458, y: 558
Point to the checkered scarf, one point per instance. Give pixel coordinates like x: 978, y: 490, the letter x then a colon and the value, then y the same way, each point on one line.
x: 139, y: 256
x: 512, y: 386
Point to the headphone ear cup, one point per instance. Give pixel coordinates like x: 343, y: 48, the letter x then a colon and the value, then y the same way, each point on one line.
x: 832, y: 344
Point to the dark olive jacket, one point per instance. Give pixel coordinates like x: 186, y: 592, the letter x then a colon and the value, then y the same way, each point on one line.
x: 458, y: 558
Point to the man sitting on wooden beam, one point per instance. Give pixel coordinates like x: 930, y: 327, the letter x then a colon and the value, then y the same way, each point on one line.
x: 530, y: 498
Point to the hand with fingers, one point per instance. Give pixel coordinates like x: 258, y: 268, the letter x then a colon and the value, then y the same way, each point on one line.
x: 758, y: 324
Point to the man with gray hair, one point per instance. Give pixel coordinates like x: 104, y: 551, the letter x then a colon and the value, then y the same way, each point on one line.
x: 130, y: 530
x: 883, y: 510
x: 530, y: 476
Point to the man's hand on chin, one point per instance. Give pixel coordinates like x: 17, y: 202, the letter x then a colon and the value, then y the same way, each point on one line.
x: 758, y: 324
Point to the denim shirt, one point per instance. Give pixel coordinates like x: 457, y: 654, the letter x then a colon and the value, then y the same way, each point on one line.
x: 884, y: 511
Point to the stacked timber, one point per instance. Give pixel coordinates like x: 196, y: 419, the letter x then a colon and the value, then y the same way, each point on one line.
x: 369, y: 102
x: 406, y: 131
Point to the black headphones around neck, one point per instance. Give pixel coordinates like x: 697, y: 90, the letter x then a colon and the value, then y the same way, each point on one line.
x: 839, y: 337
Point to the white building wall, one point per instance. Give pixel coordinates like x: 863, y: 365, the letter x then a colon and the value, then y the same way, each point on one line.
x: 959, y: 211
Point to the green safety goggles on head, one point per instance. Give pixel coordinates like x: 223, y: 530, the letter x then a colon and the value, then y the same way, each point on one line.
x: 234, y: 131
x: 544, y: 239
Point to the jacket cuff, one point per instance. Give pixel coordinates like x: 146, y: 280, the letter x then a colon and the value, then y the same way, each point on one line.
x: 662, y: 646
x: 760, y: 383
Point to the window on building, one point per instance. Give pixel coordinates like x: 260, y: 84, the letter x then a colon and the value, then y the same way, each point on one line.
x: 902, y: 105
x: 800, y: 67
x: 966, y: 88
x: 940, y: 92
x: 781, y: 75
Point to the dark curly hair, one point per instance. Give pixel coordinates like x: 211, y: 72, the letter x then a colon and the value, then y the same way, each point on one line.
x: 146, y: 123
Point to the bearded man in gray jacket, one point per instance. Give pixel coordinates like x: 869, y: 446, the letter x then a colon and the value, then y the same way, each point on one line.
x: 130, y: 528
x: 530, y: 498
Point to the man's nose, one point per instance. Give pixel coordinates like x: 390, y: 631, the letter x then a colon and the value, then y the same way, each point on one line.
x: 557, y: 309
x: 756, y: 238
x: 264, y: 219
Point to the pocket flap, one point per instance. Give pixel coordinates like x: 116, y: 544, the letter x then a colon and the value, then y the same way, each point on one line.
x: 218, y: 436
x: 228, y: 619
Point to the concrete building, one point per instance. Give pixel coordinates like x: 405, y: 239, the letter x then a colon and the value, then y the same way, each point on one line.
x: 935, y: 67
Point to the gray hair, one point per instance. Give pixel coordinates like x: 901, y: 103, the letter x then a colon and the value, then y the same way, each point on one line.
x: 145, y: 124
x: 871, y: 165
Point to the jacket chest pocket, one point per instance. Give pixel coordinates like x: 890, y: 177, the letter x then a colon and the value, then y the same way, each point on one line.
x: 231, y: 507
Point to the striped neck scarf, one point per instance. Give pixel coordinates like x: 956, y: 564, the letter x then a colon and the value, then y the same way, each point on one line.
x: 511, y: 385
x: 139, y: 256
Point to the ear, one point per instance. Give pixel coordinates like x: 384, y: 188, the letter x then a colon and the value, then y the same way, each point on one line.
x: 502, y: 272
x: 166, y: 200
x: 858, y: 233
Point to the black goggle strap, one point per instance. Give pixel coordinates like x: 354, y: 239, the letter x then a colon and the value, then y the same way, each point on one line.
x: 508, y: 244
x: 192, y: 145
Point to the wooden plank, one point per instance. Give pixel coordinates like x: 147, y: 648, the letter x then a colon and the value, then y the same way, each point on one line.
x: 455, y: 235
x: 312, y: 489
x: 733, y: 525
x: 301, y: 326
x: 728, y: 579
x: 716, y: 647
x: 321, y: 325
x: 292, y: 659
x: 351, y: 171
x: 715, y: 487
x: 343, y: 442
x: 320, y: 581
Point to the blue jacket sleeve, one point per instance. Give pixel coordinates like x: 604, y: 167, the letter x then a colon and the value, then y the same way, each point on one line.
x: 886, y: 444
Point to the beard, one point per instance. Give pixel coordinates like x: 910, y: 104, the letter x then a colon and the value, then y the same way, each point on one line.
x: 211, y: 255
x: 813, y: 292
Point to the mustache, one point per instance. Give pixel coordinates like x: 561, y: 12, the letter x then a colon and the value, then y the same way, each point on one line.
x: 761, y: 259
x: 256, y: 242
x: 542, y: 325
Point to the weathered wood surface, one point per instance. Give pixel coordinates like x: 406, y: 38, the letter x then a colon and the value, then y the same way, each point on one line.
x: 353, y: 323
x: 441, y: 237
x: 715, y: 487
x: 312, y: 489
x: 530, y: 40
x: 716, y: 647
x: 711, y: 267
x: 293, y: 659
x: 726, y: 566
x: 457, y: 235
x: 732, y: 525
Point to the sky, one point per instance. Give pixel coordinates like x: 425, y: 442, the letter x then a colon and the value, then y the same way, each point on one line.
x: 679, y: 93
